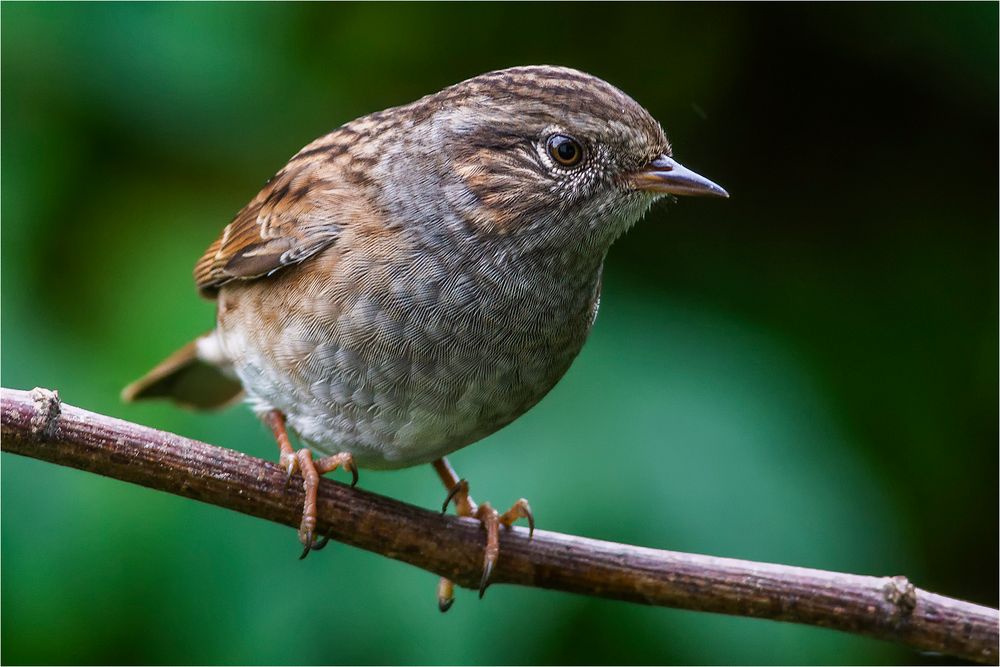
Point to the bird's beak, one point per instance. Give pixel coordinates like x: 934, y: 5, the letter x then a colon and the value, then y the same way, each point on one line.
x: 664, y: 175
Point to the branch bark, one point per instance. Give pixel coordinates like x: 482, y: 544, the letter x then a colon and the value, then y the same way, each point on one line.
x: 38, y: 425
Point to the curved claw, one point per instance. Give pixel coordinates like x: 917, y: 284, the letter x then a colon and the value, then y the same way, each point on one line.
x: 313, y: 544
x: 452, y: 493
x: 321, y: 543
x: 520, y: 510
x: 485, y: 581
x: 354, y: 473
x: 308, y: 546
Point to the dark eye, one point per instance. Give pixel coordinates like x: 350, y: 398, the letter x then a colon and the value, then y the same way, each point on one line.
x: 565, y: 150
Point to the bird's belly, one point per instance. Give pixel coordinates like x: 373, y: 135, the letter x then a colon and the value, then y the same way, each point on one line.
x: 398, y: 387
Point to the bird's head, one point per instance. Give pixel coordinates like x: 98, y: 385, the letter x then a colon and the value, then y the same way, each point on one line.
x: 549, y: 155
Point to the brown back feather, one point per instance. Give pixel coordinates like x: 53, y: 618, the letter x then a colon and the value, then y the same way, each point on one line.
x: 293, y: 217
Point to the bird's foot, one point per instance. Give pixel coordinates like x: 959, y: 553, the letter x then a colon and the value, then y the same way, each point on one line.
x: 491, y: 521
x: 301, y: 461
x: 311, y: 471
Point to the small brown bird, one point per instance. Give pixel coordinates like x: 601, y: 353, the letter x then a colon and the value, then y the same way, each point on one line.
x: 420, y: 277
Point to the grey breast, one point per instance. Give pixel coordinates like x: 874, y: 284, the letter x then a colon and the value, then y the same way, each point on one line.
x: 410, y: 360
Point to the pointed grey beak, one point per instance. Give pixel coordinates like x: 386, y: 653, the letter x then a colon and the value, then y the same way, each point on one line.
x: 667, y: 176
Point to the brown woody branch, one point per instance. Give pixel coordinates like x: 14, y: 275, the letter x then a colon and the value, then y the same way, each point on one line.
x: 36, y: 424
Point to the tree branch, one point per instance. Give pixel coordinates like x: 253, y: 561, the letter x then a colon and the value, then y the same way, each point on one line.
x: 36, y: 424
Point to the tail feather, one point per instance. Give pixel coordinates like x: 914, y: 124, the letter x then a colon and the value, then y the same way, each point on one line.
x: 187, y: 379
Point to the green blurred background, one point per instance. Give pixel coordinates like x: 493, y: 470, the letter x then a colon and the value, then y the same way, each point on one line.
x: 804, y: 374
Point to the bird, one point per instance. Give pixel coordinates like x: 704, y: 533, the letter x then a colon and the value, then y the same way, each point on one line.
x: 420, y: 277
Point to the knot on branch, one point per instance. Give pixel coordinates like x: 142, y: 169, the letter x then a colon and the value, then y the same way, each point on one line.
x: 901, y: 596
x: 48, y: 407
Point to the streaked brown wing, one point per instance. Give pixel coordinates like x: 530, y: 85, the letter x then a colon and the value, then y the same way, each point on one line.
x: 298, y: 213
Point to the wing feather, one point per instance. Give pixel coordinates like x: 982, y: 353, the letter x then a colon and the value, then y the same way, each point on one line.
x: 297, y: 214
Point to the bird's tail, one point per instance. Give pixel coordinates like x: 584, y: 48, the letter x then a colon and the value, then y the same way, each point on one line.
x: 195, y: 376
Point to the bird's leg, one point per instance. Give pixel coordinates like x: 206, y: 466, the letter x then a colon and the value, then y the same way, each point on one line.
x: 301, y: 461
x: 458, y: 492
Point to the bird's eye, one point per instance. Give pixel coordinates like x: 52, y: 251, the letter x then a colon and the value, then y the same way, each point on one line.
x: 565, y: 150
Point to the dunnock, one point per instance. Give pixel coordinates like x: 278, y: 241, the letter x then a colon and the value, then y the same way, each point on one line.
x: 420, y: 277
